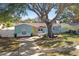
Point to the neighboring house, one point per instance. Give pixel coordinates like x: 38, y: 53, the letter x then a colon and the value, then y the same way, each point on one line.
x: 7, y: 32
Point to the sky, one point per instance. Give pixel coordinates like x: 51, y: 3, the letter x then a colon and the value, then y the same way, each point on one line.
x: 33, y: 15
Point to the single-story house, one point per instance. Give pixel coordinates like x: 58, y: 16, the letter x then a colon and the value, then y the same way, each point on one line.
x: 7, y: 32
x: 29, y: 29
x: 23, y: 30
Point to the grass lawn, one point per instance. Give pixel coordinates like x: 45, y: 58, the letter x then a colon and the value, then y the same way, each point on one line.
x: 69, y: 37
x: 60, y: 40
x: 63, y: 40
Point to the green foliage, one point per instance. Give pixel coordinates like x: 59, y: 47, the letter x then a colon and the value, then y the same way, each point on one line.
x: 69, y: 27
x: 75, y: 9
x: 65, y: 20
x: 30, y: 20
x: 9, y: 24
x: 12, y: 11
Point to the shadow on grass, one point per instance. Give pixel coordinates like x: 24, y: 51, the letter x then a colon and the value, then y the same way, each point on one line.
x: 70, y: 35
x: 58, y: 43
x: 8, y: 45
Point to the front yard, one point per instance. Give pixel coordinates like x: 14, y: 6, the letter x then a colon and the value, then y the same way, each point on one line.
x: 63, y: 42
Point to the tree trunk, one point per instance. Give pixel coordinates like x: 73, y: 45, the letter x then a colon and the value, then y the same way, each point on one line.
x: 49, y: 27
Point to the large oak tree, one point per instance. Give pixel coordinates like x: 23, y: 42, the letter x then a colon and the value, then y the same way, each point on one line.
x: 43, y: 9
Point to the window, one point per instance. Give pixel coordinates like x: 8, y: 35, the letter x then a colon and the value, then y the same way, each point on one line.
x: 40, y: 29
x: 23, y: 32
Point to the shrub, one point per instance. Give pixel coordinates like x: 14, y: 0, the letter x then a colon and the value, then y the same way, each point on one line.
x: 8, y: 24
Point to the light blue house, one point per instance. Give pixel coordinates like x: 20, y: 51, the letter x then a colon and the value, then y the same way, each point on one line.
x: 22, y: 30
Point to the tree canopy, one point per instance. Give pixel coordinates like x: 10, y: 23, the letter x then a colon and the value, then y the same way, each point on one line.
x: 75, y: 10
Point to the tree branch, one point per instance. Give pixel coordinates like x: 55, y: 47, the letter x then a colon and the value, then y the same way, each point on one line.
x: 60, y: 10
x: 34, y: 10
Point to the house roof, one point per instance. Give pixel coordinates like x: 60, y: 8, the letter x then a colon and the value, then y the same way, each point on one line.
x: 36, y: 25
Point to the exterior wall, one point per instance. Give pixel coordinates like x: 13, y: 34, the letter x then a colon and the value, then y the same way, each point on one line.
x: 42, y: 32
x: 23, y: 30
x: 55, y: 29
x: 45, y: 30
x: 7, y: 33
x: 58, y: 29
x: 34, y: 30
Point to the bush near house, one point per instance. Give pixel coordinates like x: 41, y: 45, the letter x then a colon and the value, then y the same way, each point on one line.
x: 9, y: 24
